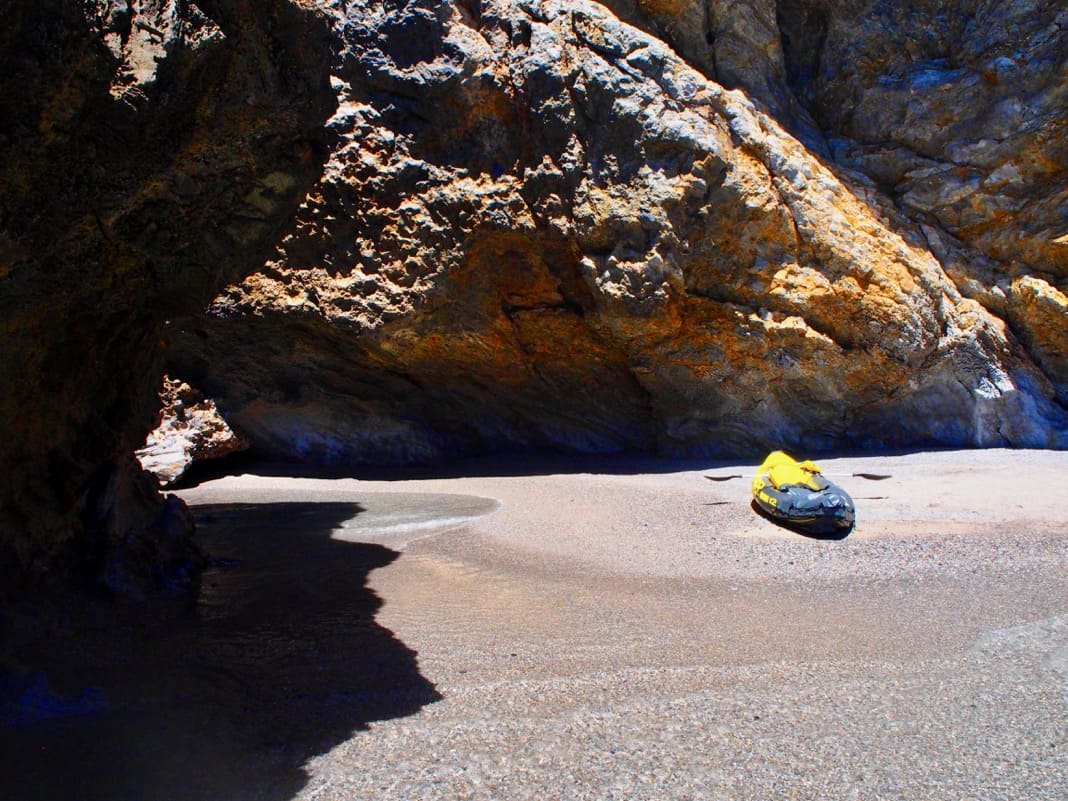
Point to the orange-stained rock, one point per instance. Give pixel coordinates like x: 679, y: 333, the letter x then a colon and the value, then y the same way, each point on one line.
x: 729, y: 227
x: 1038, y: 313
x: 540, y: 228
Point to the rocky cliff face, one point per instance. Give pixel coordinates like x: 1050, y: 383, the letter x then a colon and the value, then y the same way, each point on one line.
x: 683, y: 226
x: 149, y: 153
x: 543, y: 227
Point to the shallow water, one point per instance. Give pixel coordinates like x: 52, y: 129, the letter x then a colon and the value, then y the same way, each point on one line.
x: 397, y: 518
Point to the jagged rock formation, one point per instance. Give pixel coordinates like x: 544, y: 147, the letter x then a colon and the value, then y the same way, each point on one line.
x: 958, y: 112
x: 541, y: 227
x: 813, y: 224
x: 149, y: 153
x: 190, y: 429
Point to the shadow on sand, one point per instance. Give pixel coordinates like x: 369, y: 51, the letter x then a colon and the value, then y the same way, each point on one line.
x: 835, y: 534
x: 280, y: 660
x: 508, y: 464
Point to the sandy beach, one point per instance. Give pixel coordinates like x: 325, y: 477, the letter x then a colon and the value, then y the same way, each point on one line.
x: 612, y: 630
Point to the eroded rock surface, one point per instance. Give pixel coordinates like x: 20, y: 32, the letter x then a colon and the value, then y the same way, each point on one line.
x: 957, y: 111
x: 542, y: 227
x: 710, y: 229
x: 149, y: 153
x: 190, y: 429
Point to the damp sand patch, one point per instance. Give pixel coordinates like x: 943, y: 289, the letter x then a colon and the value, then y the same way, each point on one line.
x: 397, y: 518
x: 385, y: 518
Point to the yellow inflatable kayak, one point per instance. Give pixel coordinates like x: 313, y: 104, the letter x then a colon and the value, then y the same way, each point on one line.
x: 796, y: 493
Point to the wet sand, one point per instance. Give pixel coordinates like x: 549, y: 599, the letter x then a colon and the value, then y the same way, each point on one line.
x: 613, y: 631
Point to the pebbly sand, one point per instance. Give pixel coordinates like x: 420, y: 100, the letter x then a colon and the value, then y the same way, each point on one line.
x: 619, y: 630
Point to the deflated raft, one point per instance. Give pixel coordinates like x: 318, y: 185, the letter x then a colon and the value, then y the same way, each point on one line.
x: 797, y: 494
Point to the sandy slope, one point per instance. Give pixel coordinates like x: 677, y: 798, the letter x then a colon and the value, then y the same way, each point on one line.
x: 615, y: 633
x: 616, y: 630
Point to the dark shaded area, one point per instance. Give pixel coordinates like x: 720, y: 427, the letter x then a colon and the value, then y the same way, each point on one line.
x: 804, y: 531
x: 803, y: 31
x: 529, y: 462
x: 280, y: 660
x: 125, y: 201
x: 515, y: 463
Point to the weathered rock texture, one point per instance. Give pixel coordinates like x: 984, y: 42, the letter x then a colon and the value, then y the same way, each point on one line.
x: 542, y: 227
x: 149, y: 153
x: 190, y: 429
x: 730, y: 226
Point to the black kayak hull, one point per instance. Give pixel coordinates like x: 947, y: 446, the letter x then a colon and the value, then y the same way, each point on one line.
x: 823, y: 512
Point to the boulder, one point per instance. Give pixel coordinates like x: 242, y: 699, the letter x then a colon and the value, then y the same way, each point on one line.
x: 190, y: 429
